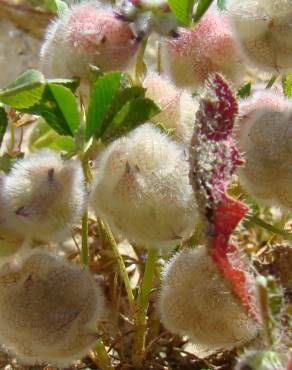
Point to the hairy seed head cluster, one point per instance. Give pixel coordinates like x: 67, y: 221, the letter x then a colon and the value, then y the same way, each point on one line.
x: 194, y: 53
x: 44, y: 195
x: 196, y: 301
x: 143, y: 190
x: 178, y: 108
x: 87, y: 34
x: 264, y: 31
x: 264, y: 136
x: 48, y: 309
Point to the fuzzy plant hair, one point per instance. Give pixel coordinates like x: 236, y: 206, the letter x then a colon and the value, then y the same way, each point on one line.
x: 44, y: 195
x: 142, y: 188
x: 264, y: 136
x: 48, y: 309
x: 88, y: 33
x: 264, y: 31
x: 196, y: 300
x: 178, y: 107
x: 192, y: 54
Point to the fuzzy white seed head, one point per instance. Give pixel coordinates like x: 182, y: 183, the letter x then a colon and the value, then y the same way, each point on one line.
x: 264, y: 135
x: 264, y: 31
x: 87, y: 34
x: 196, y: 301
x: 208, y: 47
x: 44, y: 195
x: 178, y: 108
x: 49, y: 309
x: 259, y: 360
x: 143, y: 190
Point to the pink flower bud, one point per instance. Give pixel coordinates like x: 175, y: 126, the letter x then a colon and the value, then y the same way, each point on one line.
x: 208, y: 47
x: 87, y: 34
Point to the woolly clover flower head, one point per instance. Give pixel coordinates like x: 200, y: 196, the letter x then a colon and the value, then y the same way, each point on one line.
x: 197, y: 301
x: 264, y: 31
x: 178, y: 108
x: 143, y: 190
x: 44, y: 195
x: 194, y: 53
x: 48, y: 309
x: 87, y: 33
x: 259, y: 360
x: 264, y: 135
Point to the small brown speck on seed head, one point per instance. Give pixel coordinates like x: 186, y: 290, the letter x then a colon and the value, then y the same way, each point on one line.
x: 51, y: 172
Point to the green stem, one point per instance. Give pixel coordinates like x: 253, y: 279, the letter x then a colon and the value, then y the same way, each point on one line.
x: 103, y: 359
x: 256, y: 220
x: 84, y: 245
x: 271, y: 82
x: 140, y: 67
x: 142, y: 308
x: 122, y: 268
x: 265, y: 311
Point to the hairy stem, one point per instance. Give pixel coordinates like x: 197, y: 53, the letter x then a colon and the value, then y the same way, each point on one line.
x: 122, y: 268
x: 142, y: 308
x: 140, y: 67
x: 102, y: 357
x: 84, y: 245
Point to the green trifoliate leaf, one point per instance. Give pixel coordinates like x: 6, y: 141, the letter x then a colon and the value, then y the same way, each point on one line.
x: 202, y: 7
x: 59, y: 108
x: 182, y: 9
x: 103, y: 92
x: 133, y: 113
x: 25, y: 91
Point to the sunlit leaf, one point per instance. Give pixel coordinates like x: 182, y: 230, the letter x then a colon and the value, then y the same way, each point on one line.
x: 25, y: 91
x: 202, y: 7
x: 103, y: 92
x: 182, y: 9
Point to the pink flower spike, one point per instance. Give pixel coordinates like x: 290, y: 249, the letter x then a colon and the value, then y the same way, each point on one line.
x: 219, y: 109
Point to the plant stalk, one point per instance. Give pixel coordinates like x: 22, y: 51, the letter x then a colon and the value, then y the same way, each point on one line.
x: 84, y: 238
x: 122, y: 268
x: 142, y: 308
x: 103, y: 359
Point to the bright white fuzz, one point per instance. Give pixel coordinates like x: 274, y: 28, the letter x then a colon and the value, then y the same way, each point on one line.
x: 178, y: 108
x: 86, y: 34
x: 142, y: 188
x: 48, y: 310
x: 196, y: 301
x: 264, y: 30
x: 264, y: 135
x: 44, y: 195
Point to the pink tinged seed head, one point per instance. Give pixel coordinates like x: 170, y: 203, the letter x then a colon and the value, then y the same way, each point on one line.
x: 264, y: 30
x: 208, y: 47
x: 213, y: 135
x: 87, y: 34
x: 264, y: 134
x: 195, y: 300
